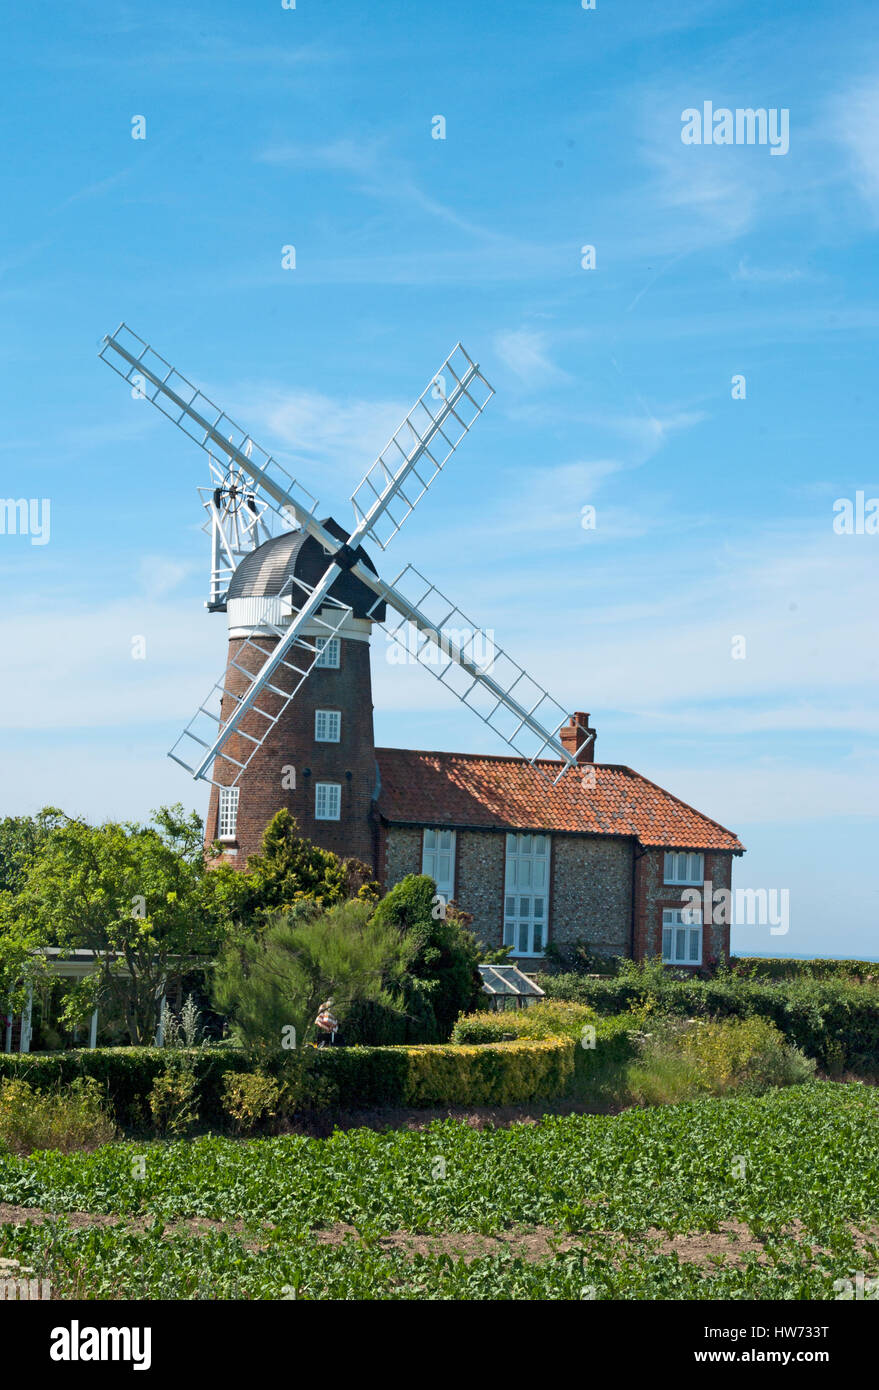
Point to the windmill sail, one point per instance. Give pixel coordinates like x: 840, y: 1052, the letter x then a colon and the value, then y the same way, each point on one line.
x: 267, y: 671
x: 418, y: 451
x: 264, y: 676
x: 155, y: 380
x: 466, y: 660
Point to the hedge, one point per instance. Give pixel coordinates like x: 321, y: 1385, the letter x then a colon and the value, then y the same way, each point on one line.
x: 818, y: 968
x: 595, y: 1068
x: 127, y: 1074
x: 343, y: 1078
x: 836, y: 1021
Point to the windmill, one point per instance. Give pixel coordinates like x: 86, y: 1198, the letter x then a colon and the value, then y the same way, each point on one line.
x: 296, y: 587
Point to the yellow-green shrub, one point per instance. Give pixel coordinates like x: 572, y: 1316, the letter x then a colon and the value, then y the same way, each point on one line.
x: 736, y: 1052
x: 680, y: 1060
x: 250, y: 1097
x: 66, y: 1120
x: 173, y: 1100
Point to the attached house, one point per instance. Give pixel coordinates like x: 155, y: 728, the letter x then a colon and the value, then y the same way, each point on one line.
x: 602, y: 857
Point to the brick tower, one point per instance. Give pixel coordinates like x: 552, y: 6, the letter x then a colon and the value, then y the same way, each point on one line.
x: 318, y: 760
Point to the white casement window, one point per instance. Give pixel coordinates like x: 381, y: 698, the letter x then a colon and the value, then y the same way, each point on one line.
x: 327, y: 725
x: 681, y: 936
x: 327, y: 800
x: 328, y: 649
x: 526, y: 894
x: 438, y: 860
x: 227, y: 814
x: 684, y: 868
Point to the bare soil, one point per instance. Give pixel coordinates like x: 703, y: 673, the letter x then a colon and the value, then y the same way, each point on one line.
x: 729, y: 1244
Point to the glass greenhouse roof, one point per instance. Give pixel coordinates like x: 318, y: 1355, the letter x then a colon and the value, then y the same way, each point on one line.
x: 508, y: 979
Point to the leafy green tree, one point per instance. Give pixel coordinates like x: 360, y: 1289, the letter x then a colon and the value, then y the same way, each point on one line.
x: 20, y: 838
x: 139, y: 896
x: 279, y: 977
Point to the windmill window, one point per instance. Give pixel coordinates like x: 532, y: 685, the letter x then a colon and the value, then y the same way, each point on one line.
x: 327, y: 725
x: 526, y: 893
x: 328, y: 652
x: 682, y: 936
x: 227, y: 814
x: 327, y: 801
x: 438, y: 860
x: 684, y: 868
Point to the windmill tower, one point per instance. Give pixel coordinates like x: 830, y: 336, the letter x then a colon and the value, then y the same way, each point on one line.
x: 290, y: 722
x: 325, y: 739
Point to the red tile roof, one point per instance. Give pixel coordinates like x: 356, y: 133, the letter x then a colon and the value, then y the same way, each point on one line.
x: 500, y: 793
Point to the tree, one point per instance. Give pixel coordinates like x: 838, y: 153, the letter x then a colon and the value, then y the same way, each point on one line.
x: 292, y: 869
x: 139, y: 896
x: 20, y: 838
x: 278, y: 978
x: 440, y: 980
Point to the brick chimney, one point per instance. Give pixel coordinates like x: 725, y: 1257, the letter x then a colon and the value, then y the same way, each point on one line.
x: 573, y: 734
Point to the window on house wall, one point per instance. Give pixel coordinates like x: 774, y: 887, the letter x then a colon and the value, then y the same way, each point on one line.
x: 327, y: 800
x: 438, y: 860
x: 328, y: 652
x: 681, y: 936
x: 227, y: 813
x: 327, y: 725
x: 526, y: 894
x: 684, y: 868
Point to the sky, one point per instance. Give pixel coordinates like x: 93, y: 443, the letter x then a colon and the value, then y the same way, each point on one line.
x: 707, y: 385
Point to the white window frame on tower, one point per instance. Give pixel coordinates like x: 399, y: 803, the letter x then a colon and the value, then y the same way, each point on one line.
x: 328, y: 653
x: 438, y: 859
x: 526, y: 893
x: 227, y: 813
x: 327, y: 726
x: 681, y: 936
x: 683, y: 867
x: 328, y: 801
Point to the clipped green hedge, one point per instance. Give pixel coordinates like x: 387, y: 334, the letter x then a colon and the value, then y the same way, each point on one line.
x: 506, y: 1073
x: 547, y: 1019
x: 602, y: 1045
x: 127, y: 1074
x: 350, y: 1078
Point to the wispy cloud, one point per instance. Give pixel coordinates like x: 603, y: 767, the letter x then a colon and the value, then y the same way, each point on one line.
x: 855, y: 122
x: 526, y: 352
x: 381, y: 174
x: 767, y: 275
x: 345, y: 432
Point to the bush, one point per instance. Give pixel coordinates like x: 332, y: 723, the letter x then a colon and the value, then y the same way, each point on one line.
x: 126, y: 1075
x: 835, y: 1021
x: 173, y: 1099
x: 681, y: 1060
x: 781, y: 968
x: 251, y: 1097
x: 440, y: 979
x: 74, y: 1118
x: 746, y: 1052
x: 278, y: 978
x: 602, y: 1046
x: 511, y: 1073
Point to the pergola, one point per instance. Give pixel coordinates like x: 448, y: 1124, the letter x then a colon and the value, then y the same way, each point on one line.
x: 70, y: 965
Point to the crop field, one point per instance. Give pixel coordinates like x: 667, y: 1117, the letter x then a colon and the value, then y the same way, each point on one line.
x: 767, y: 1197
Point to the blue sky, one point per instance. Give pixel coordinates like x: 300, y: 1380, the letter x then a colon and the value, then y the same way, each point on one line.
x: 268, y: 127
